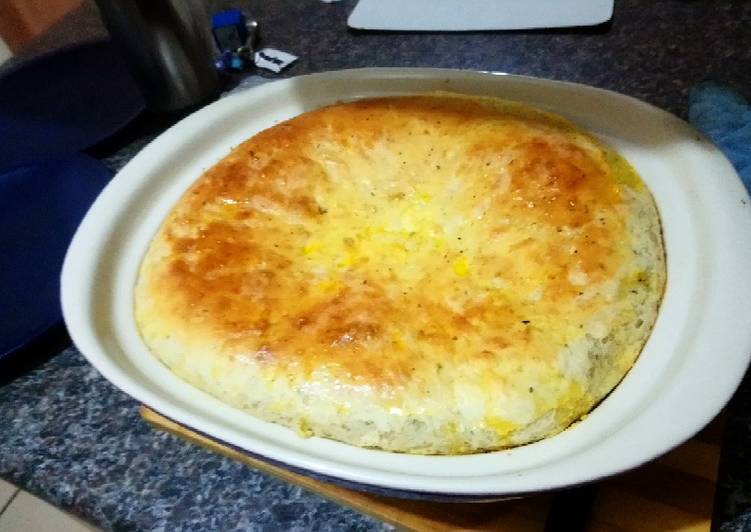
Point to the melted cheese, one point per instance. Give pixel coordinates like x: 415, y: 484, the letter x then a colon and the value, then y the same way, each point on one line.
x: 451, y: 261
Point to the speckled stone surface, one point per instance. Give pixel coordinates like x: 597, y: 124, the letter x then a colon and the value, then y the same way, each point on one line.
x: 70, y: 437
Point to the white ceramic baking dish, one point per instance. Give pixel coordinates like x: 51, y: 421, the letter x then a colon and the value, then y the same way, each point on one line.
x: 691, y: 365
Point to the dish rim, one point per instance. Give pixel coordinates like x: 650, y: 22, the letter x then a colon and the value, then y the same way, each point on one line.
x: 717, y: 276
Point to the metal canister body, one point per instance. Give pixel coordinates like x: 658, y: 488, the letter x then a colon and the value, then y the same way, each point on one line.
x: 167, y: 44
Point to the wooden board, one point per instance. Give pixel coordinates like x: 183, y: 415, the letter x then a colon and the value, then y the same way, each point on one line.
x: 673, y: 493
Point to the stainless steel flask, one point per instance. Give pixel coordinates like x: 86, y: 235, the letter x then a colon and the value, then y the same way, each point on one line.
x: 167, y: 44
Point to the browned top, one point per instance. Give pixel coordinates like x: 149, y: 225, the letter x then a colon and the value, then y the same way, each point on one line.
x: 379, y: 236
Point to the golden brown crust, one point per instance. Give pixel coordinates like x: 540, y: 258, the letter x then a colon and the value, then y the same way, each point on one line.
x: 385, y: 238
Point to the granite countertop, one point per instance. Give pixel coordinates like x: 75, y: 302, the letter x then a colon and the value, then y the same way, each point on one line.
x: 75, y: 440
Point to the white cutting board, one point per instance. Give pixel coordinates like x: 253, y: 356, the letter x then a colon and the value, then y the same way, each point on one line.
x: 473, y: 15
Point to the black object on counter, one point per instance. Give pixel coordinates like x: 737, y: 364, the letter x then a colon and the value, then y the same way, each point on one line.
x: 64, y: 102
x: 167, y: 44
x: 41, y: 205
